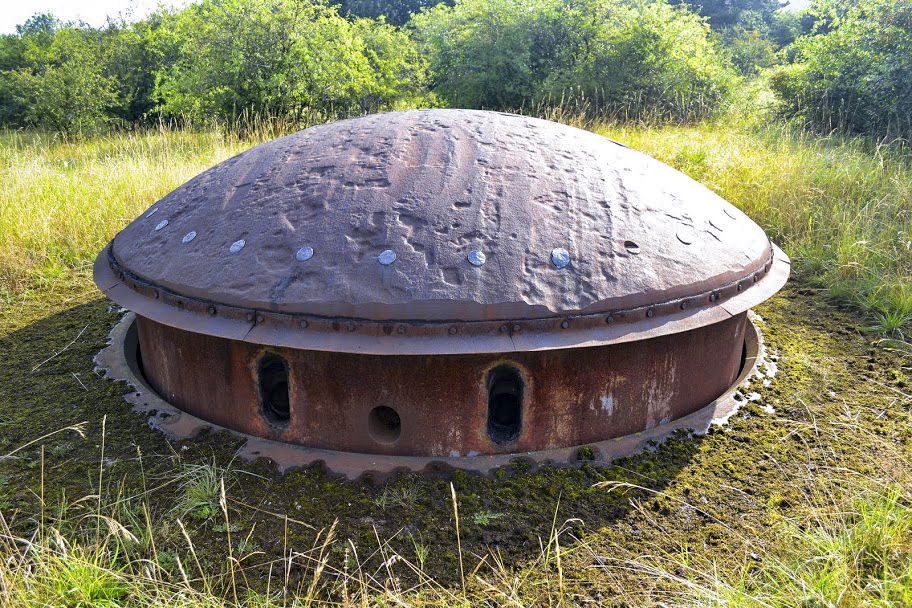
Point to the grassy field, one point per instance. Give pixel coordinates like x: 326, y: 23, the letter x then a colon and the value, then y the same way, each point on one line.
x: 842, y: 208
x: 808, y: 506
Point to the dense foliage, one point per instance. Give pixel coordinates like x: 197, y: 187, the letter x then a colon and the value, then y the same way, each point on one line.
x: 623, y: 57
x: 214, y: 60
x: 854, y: 71
x: 844, y: 64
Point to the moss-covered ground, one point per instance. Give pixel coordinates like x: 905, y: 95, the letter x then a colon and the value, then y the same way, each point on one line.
x: 841, y: 419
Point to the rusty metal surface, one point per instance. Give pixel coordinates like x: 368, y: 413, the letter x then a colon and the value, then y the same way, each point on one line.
x: 489, y: 220
x: 568, y: 396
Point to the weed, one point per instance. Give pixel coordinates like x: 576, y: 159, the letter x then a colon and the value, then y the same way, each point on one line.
x: 484, y: 518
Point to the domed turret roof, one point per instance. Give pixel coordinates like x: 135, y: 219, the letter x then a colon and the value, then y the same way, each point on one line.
x: 440, y: 231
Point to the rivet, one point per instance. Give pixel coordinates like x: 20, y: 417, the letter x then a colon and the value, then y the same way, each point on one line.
x: 477, y: 258
x: 452, y: 330
x: 756, y: 278
x: 387, y: 257
x: 400, y: 329
x: 259, y: 318
x: 516, y: 328
x: 503, y: 329
x: 631, y: 247
x: 350, y: 327
x: 683, y: 305
x: 188, y: 237
x: 237, y: 246
x: 650, y: 312
x: 302, y: 324
x: 609, y: 320
x: 249, y: 316
x: 161, y: 225
x: 155, y: 294
x: 560, y: 257
x: 740, y: 286
x: 304, y: 253
x: 211, y: 310
x: 565, y: 324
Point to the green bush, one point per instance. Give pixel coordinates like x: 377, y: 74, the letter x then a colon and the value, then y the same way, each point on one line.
x: 281, y: 57
x: 632, y: 58
x: 854, y: 72
x: 55, y: 78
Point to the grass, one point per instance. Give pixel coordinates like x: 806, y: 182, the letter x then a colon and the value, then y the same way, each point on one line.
x: 841, y: 207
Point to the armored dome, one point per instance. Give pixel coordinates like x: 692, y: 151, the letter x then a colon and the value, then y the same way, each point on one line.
x: 440, y: 231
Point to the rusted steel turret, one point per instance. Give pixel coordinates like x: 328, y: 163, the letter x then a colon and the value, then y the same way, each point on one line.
x: 441, y: 283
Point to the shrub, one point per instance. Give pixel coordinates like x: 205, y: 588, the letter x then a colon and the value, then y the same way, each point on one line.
x: 854, y: 72
x: 636, y: 58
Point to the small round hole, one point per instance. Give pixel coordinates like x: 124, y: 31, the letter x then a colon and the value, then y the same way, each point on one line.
x: 631, y: 247
x: 384, y: 424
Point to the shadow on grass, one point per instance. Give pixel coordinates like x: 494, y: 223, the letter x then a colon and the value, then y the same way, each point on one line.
x: 47, y: 382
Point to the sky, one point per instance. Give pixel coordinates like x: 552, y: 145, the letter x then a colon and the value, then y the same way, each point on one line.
x: 93, y: 12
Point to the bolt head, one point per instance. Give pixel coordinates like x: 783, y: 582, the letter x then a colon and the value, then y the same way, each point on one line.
x: 650, y: 313
x: 304, y: 253
x: 452, y: 330
x: 387, y: 257
x: 302, y: 324
x: 565, y: 324
x: 400, y: 329
x: 259, y: 319
x: 560, y: 257
x: 211, y: 310
x: 477, y: 258
x: 516, y: 328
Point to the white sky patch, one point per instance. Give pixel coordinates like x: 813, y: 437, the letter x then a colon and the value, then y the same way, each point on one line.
x: 93, y: 12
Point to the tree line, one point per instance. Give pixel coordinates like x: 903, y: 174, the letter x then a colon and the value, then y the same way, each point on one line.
x: 842, y: 64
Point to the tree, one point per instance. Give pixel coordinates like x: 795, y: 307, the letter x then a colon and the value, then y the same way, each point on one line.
x: 638, y: 56
x: 59, y: 83
x: 854, y: 72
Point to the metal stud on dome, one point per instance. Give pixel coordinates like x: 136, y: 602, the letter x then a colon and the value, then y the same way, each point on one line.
x: 304, y: 253
x: 188, y: 237
x: 237, y: 246
x: 477, y: 258
x: 387, y: 257
x: 560, y: 257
